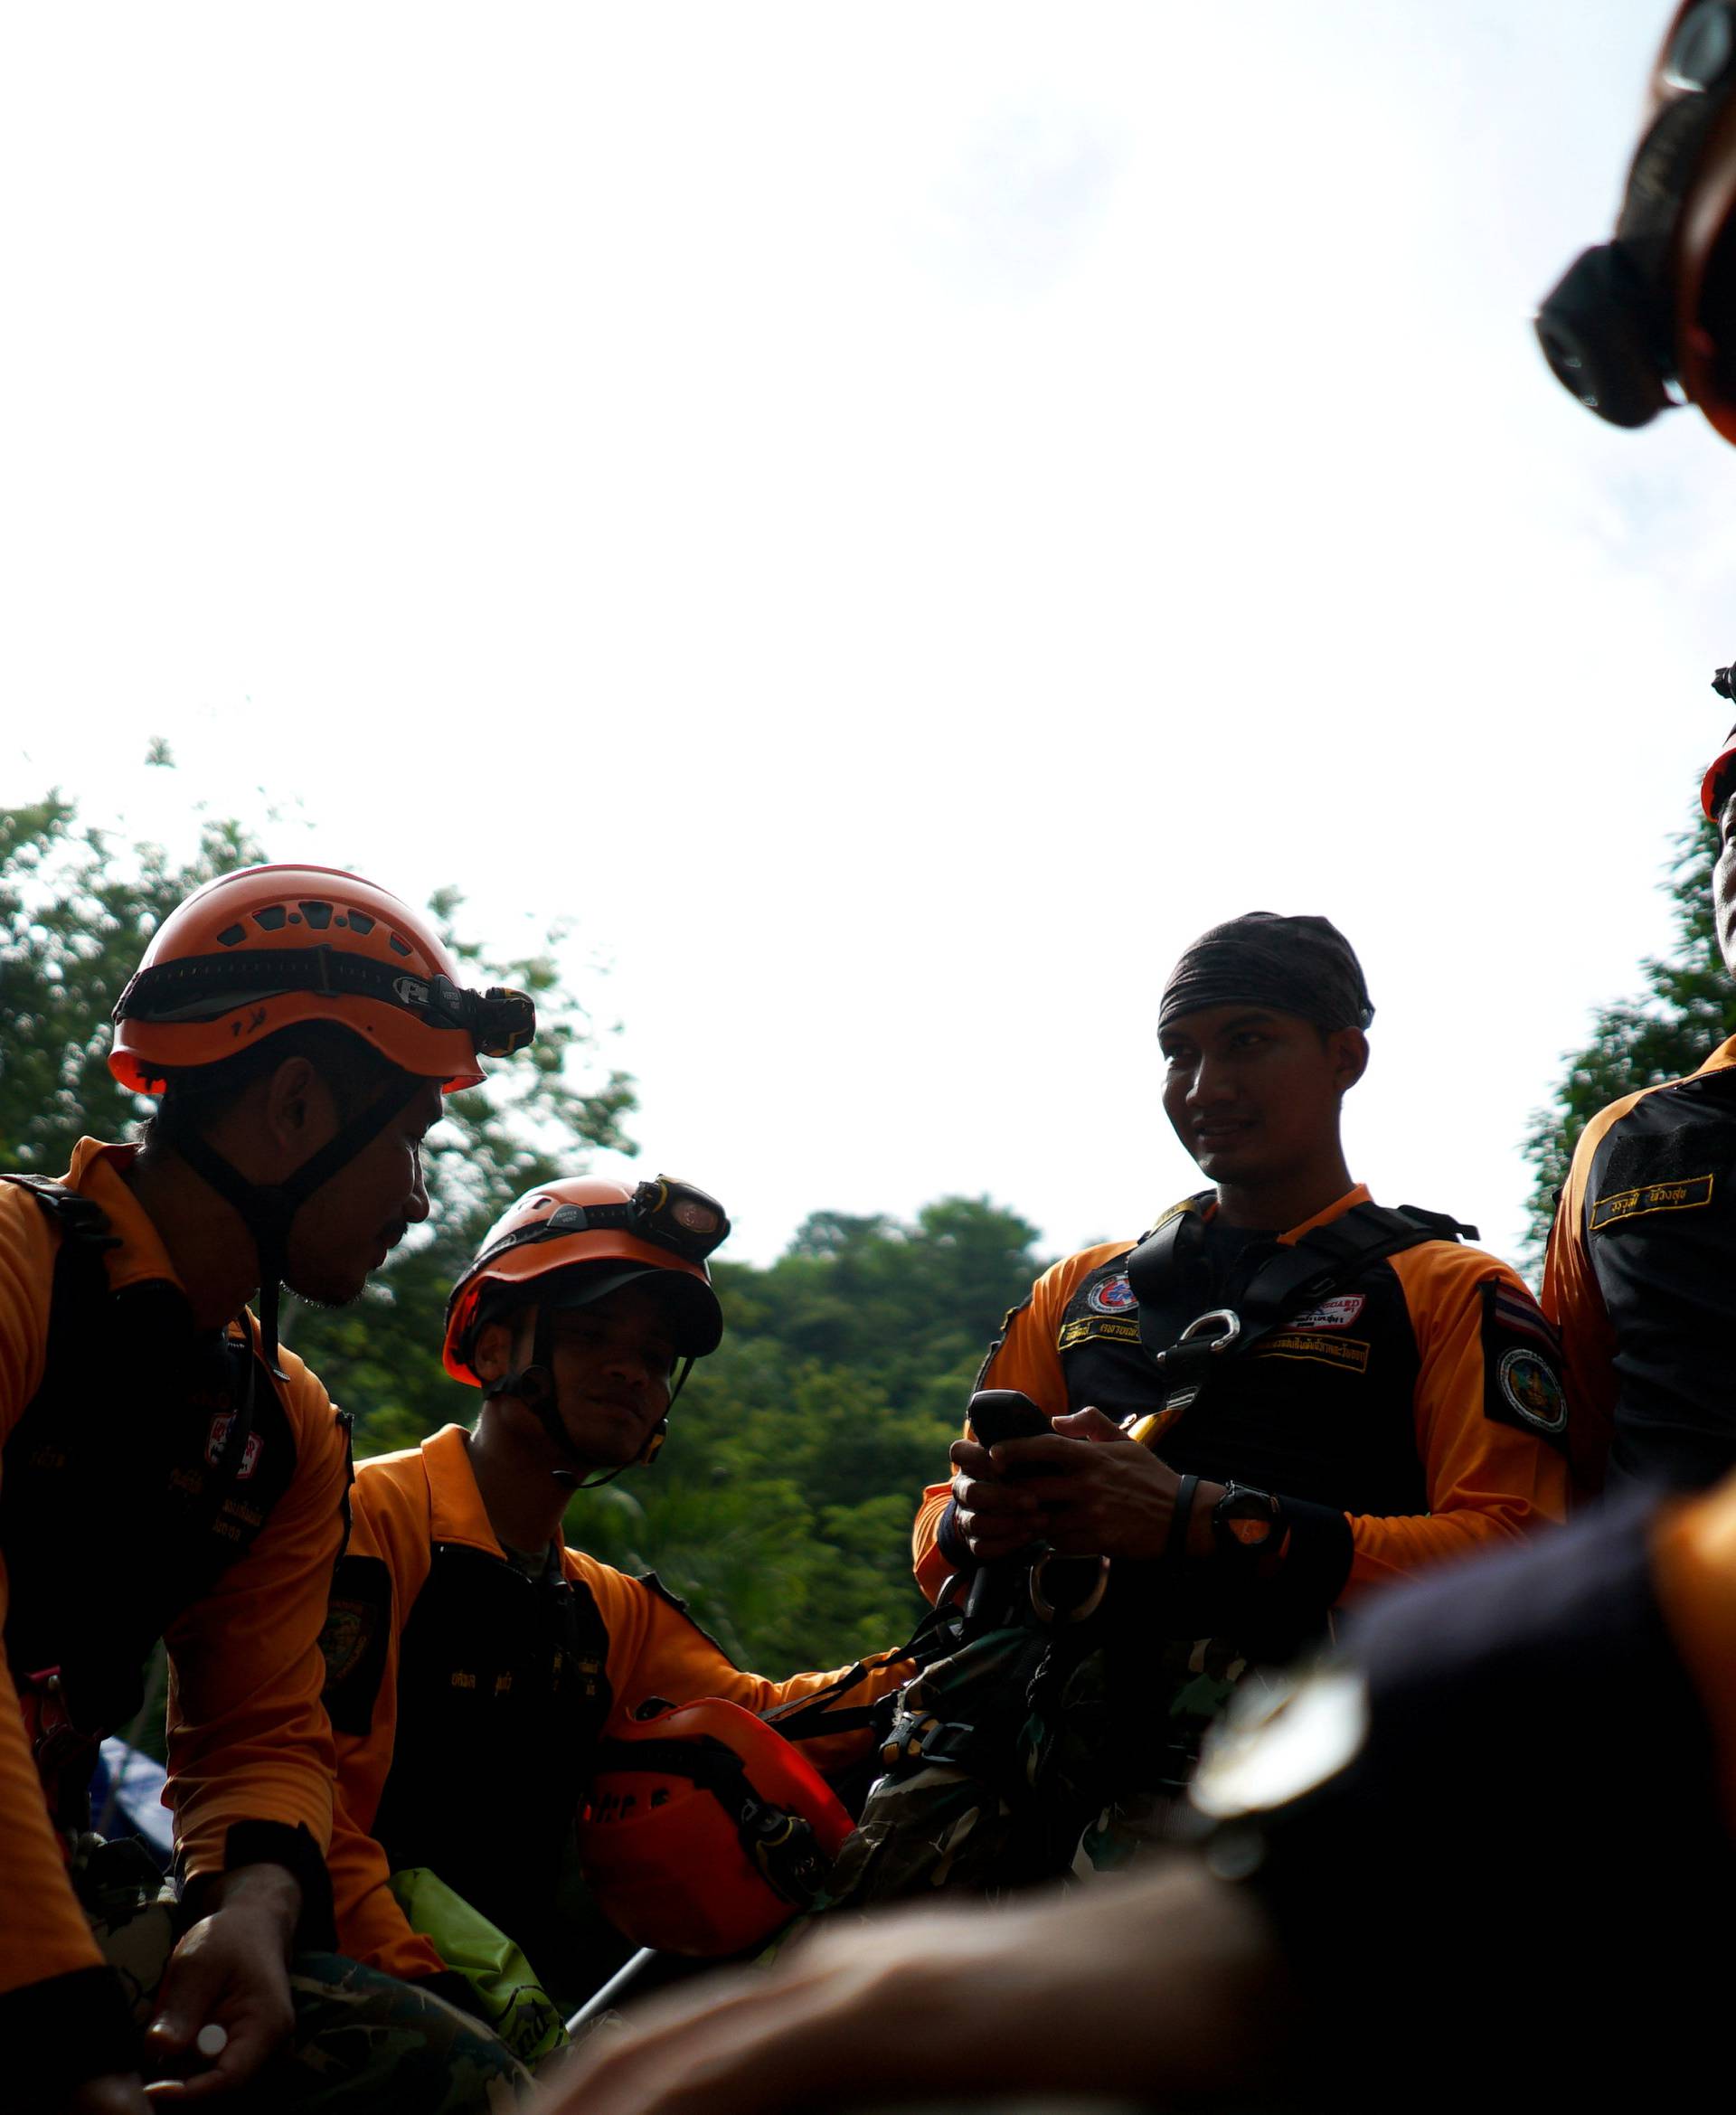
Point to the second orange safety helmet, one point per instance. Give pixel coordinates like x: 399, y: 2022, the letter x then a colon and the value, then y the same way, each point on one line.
x: 666, y: 1226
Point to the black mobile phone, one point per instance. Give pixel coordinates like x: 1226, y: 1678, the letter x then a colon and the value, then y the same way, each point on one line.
x: 995, y: 1414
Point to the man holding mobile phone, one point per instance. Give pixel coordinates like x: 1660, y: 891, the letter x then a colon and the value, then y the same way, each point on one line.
x: 1330, y: 1396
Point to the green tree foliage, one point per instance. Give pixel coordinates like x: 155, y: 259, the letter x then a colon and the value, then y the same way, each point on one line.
x: 76, y: 910
x: 1687, y: 1007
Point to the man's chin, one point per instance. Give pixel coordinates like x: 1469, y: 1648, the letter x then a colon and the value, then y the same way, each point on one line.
x: 328, y: 1291
x: 609, y: 1449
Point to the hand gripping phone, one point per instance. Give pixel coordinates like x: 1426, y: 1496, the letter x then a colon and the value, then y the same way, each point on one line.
x: 996, y: 1414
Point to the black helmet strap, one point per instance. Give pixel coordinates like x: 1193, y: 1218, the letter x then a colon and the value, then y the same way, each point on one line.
x: 267, y: 1210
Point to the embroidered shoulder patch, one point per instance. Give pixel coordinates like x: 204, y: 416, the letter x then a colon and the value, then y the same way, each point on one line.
x: 1621, y: 1205
x: 1090, y: 1329
x: 1349, y: 1354
x: 1521, y: 1362
x: 1114, y: 1296
x: 358, y: 1617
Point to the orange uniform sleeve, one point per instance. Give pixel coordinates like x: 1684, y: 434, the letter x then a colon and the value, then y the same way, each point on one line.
x: 657, y: 1649
x: 1693, y: 1566
x: 43, y: 1933
x: 1573, y: 1301
x: 390, y: 1525
x: 248, y: 1739
x: 1026, y: 1357
x: 1489, y: 1480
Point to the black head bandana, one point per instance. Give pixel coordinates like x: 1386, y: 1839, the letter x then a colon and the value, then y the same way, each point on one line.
x: 1302, y: 965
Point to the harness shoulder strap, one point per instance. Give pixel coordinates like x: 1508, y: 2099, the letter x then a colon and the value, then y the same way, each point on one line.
x: 1173, y: 1246
x: 80, y: 1220
x: 80, y: 1282
x: 1296, y: 1275
x: 1305, y: 1271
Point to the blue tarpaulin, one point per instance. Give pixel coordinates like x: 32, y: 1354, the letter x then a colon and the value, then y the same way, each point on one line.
x: 126, y: 1798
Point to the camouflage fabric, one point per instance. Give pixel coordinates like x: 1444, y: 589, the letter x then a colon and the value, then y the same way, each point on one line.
x: 994, y: 1771
x: 1026, y: 1753
x: 362, y: 2041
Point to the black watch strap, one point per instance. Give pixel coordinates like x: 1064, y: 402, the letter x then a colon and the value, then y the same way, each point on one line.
x: 1176, y: 1540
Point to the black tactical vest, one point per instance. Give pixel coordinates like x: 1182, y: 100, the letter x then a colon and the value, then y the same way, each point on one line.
x: 501, y: 1693
x: 1660, y: 1229
x: 136, y: 1476
x: 1322, y: 1409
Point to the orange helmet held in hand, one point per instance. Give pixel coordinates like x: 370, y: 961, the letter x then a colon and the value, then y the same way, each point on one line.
x: 1648, y: 319
x: 705, y: 1830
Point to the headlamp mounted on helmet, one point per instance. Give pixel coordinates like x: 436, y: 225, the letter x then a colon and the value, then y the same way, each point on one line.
x: 669, y: 1214
x: 197, y: 986
x: 1608, y: 328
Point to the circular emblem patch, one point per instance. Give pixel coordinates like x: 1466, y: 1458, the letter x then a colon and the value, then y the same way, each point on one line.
x: 1113, y: 1297
x: 1529, y: 1384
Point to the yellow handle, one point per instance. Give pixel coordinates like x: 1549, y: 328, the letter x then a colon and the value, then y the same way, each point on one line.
x: 1148, y: 1430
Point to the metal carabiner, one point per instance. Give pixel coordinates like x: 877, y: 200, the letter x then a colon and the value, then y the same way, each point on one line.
x: 1229, y: 1330
x: 1046, y: 1611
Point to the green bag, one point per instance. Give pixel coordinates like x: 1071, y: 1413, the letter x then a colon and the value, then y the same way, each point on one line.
x: 508, y: 1996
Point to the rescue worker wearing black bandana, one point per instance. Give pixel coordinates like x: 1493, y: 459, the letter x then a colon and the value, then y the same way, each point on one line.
x: 1397, y: 1406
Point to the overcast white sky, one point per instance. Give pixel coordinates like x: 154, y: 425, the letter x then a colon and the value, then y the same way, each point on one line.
x: 889, y: 521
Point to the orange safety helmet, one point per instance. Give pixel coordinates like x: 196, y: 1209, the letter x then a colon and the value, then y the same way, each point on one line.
x: 666, y: 1226
x: 704, y: 1830
x: 1648, y: 319
x: 269, y: 947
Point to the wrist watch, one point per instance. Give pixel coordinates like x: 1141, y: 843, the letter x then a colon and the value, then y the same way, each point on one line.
x: 1245, y: 1524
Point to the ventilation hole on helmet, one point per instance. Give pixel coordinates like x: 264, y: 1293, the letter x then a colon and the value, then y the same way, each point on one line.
x: 295, y: 918
x: 400, y: 947
x: 271, y: 918
x: 232, y: 936
x: 359, y: 921
x: 340, y: 919
x: 660, y: 1797
x: 318, y: 915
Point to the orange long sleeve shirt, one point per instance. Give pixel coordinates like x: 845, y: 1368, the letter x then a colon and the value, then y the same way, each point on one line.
x: 407, y: 1507
x: 1455, y: 1384
x: 248, y: 1739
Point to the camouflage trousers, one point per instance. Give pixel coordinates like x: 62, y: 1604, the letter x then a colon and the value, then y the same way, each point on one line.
x: 361, y: 2042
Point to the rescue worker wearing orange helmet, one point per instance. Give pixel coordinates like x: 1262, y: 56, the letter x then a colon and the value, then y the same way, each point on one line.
x: 298, y: 1025
x: 481, y: 1669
